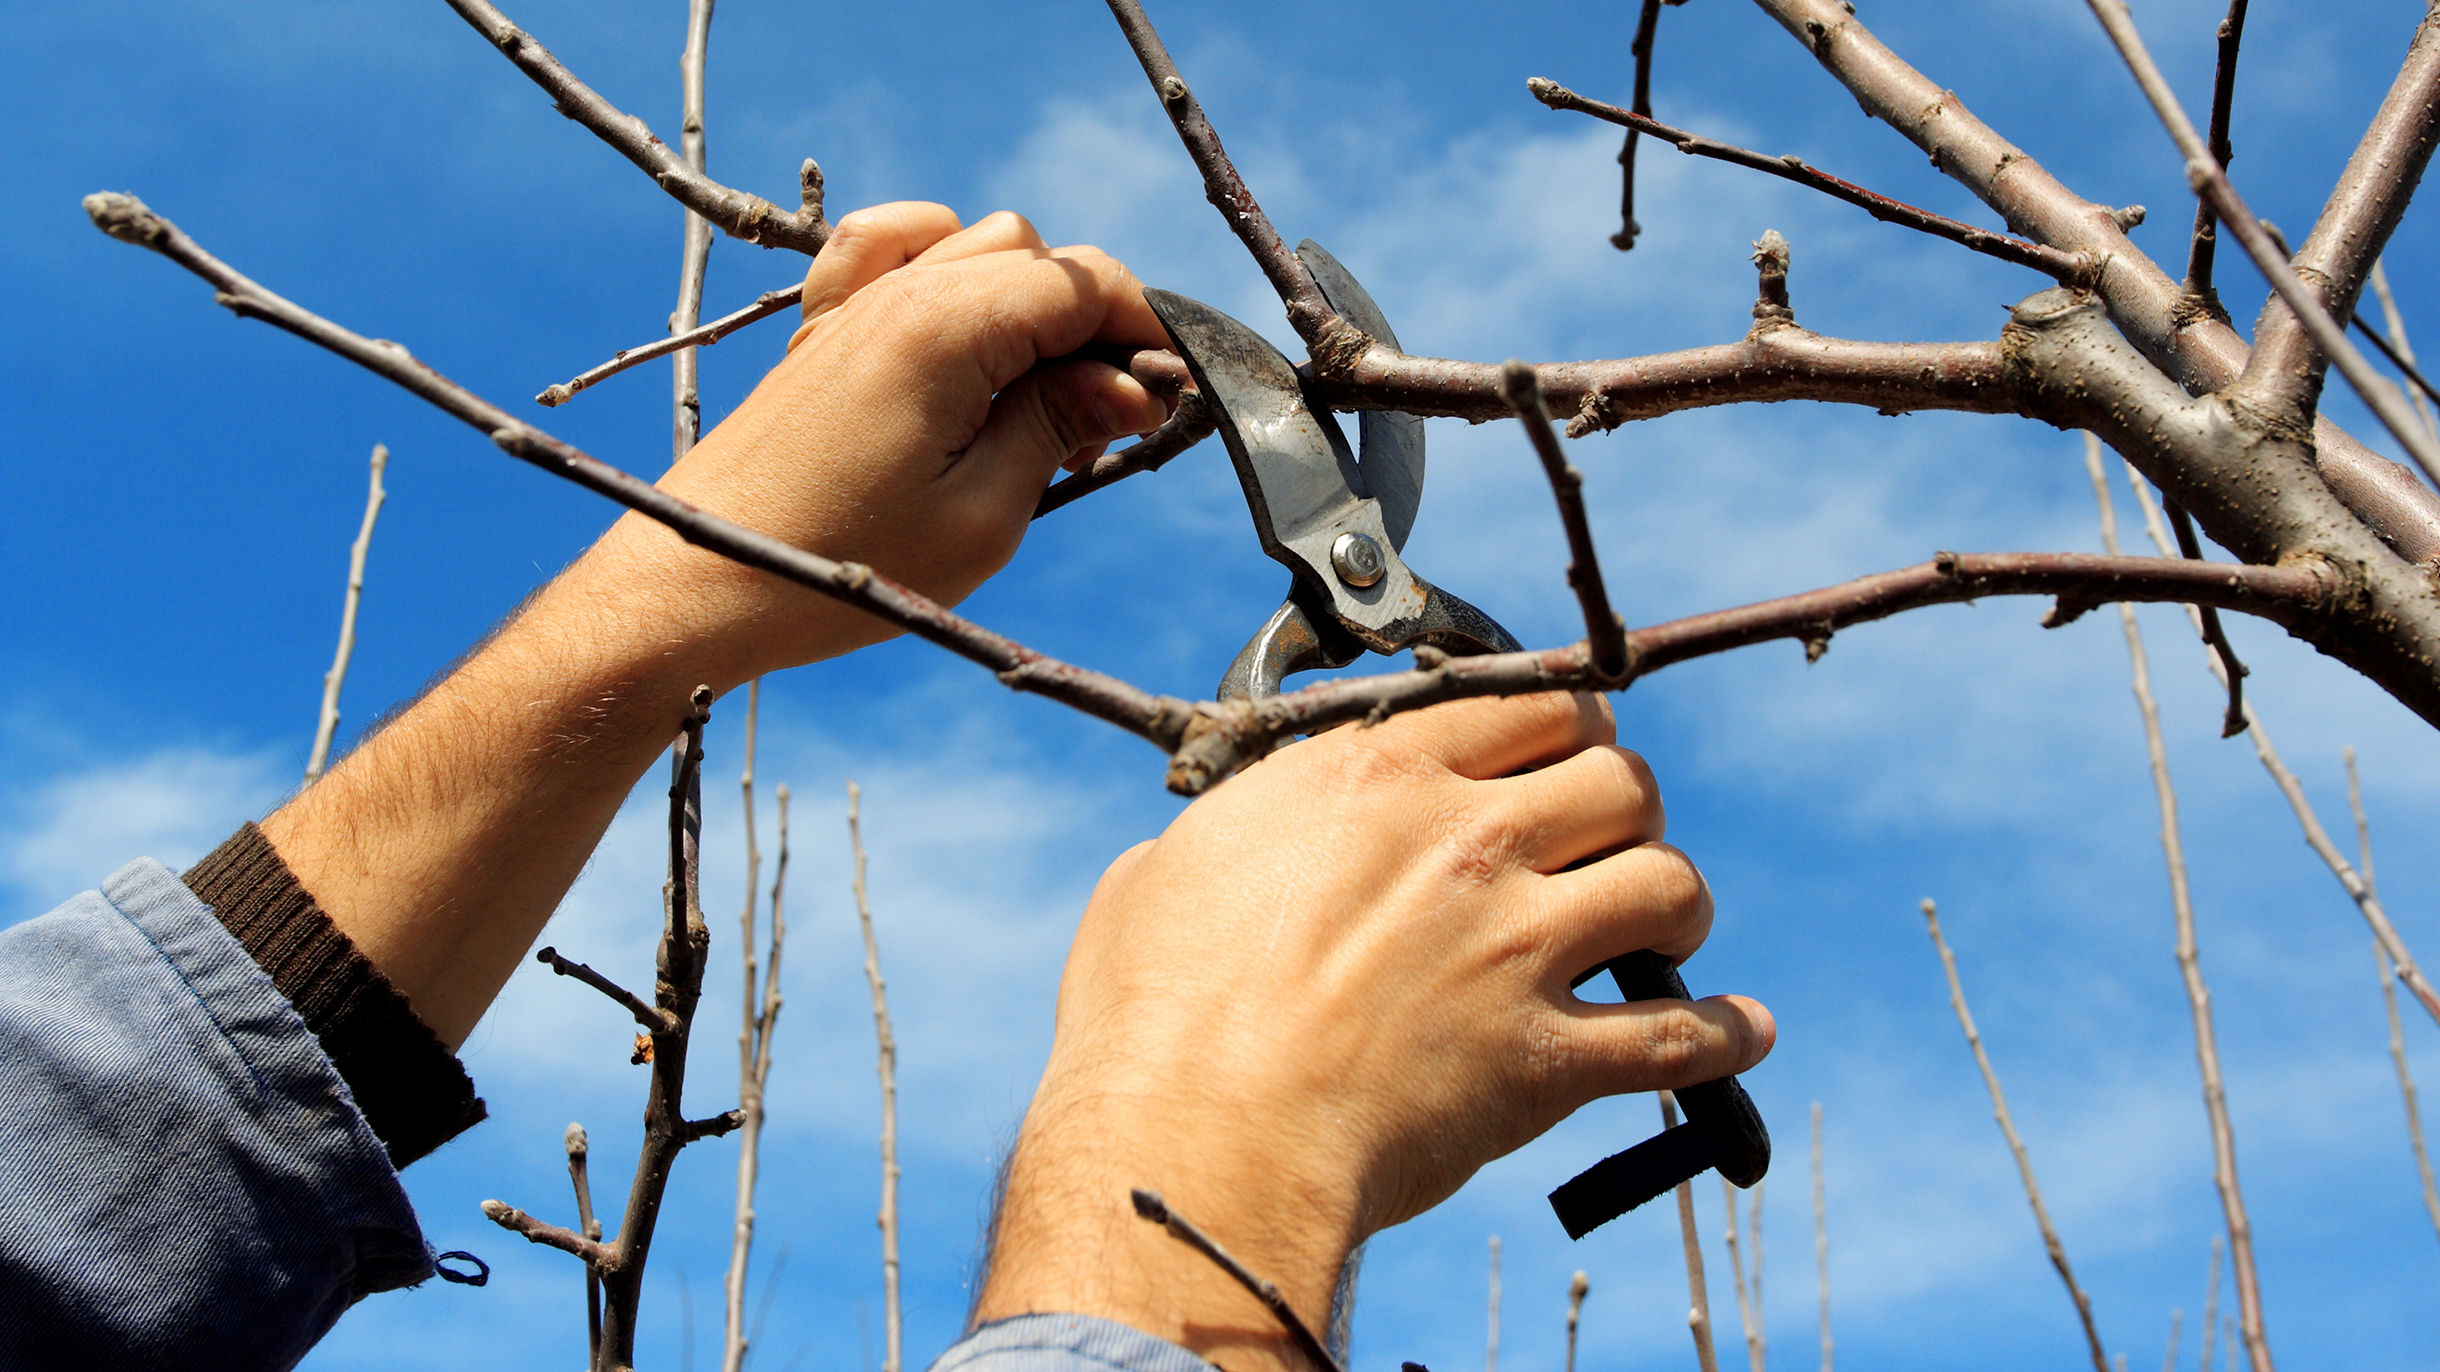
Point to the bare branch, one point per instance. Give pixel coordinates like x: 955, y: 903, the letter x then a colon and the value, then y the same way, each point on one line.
x: 1602, y: 627
x: 1647, y: 25
x: 1698, y: 1302
x: 686, y: 423
x: 516, y: 1221
x: 578, y: 1147
x: 2211, y: 1303
x: 1309, y: 312
x: 2358, y: 888
x: 1491, y: 1345
x: 2206, y: 239
x: 2059, y: 266
x: 753, y: 1050
x: 2232, y: 671
x: 2198, y: 995
x: 886, y: 1060
x: 1149, y: 1206
x: 1190, y: 423
x: 336, y: 677
x: 765, y: 305
x: 1747, y: 1319
x: 2398, y: 348
x: 652, y: 1019
x: 1821, y: 1240
x: 2200, y: 352
x: 2177, y: 1326
x: 2406, y: 368
x: 738, y: 214
x: 2016, y: 1145
x: 2278, y: 355
x: 1762, y: 1326
x: 716, y: 1126
x: 1577, y: 1285
x: 2389, y: 1003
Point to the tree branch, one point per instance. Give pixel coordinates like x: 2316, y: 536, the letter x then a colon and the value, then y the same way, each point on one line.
x: 1747, y: 1318
x: 886, y: 1064
x: 2200, y: 352
x: 2060, y: 266
x: 336, y: 677
x: 738, y: 214
x: 686, y: 420
x: 1698, y: 1301
x: 2206, y: 239
x: 2389, y: 1002
x: 1821, y: 1239
x: 765, y: 305
x: 516, y: 1221
x: 1580, y: 1284
x: 2016, y: 1145
x: 1190, y: 423
x: 2404, y: 364
x: 1647, y: 25
x: 753, y: 1045
x: 653, y: 1020
x: 577, y: 1145
x: 1150, y: 1207
x: 2396, y: 346
x: 1603, y: 629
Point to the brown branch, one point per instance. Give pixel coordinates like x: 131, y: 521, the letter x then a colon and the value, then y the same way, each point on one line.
x: 753, y: 1044
x: 1821, y: 1239
x: 2206, y: 239
x: 2232, y: 671
x: 886, y: 1064
x: 1698, y: 1302
x: 652, y: 1019
x: 516, y: 1221
x: 1602, y: 627
x: 577, y: 1145
x: 1309, y: 312
x: 2405, y: 366
x: 2389, y: 1003
x: 1577, y: 1286
x: 722, y: 1125
x: 2198, y: 995
x: 2358, y: 888
x: 2059, y: 266
x: 2397, y: 346
x: 2200, y: 352
x: 2279, y: 354
x: 2016, y: 1144
x: 765, y: 305
x: 1647, y: 25
x: 1160, y: 719
x: 1150, y: 1207
x: 738, y: 214
x: 336, y: 677
x: 1190, y: 423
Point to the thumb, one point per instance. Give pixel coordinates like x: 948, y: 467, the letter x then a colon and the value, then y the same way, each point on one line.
x: 1655, y: 1045
x: 1049, y: 415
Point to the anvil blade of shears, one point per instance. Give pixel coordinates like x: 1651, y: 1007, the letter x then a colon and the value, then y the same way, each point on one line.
x: 1389, y: 443
x: 1307, y: 492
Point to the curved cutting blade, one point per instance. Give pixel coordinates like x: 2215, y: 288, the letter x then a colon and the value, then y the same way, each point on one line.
x: 1389, y: 442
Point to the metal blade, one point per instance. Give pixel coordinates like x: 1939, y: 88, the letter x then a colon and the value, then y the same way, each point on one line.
x: 1390, y: 441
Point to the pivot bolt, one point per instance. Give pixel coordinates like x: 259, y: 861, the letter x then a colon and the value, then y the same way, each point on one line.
x: 1358, y: 560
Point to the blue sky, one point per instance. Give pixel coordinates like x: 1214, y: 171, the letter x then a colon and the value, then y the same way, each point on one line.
x: 185, y: 485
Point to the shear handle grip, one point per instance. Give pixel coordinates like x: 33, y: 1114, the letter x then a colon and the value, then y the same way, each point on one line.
x: 1722, y: 1107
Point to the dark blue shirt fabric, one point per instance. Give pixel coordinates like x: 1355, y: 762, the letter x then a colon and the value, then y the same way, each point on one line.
x: 185, y: 1180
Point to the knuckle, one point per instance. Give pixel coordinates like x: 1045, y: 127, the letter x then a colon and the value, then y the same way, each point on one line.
x: 1677, y: 1044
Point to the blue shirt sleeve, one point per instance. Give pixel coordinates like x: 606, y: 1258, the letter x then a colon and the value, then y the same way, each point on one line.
x: 185, y: 1180
x: 1065, y: 1343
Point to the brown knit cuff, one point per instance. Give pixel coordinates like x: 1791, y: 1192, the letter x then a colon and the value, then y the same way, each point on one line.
x: 410, y: 1088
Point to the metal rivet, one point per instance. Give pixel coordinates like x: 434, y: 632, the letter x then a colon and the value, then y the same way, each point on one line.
x: 1357, y: 560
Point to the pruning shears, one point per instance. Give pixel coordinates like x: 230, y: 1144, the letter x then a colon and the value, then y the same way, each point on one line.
x: 1339, y: 520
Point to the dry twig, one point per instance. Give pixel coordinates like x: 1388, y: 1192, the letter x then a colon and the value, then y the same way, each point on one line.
x: 2211, y: 1306
x: 1748, y: 1318
x: 2016, y: 1145
x: 761, y: 1005
x: 578, y: 1146
x: 686, y: 423
x: 1150, y: 1207
x: 1647, y: 25
x: 887, y: 1065
x: 2198, y: 995
x: 2389, y: 1003
x: 2200, y: 253
x: 1698, y: 1303
x: 765, y: 305
x: 2399, y: 350
x: 1821, y: 1239
x: 1491, y: 1348
x: 1577, y: 1286
x: 2177, y: 1326
x: 336, y: 677
x: 1602, y: 627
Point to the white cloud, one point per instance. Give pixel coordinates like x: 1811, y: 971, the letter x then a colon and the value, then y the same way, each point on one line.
x: 76, y: 826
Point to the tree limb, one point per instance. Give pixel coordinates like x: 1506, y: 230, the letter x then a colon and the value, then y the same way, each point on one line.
x: 1190, y: 423
x: 2389, y: 1003
x: 336, y: 677
x: 1603, y: 630
x: 695, y: 256
x: 2203, y: 246
x: 1698, y: 1301
x: 653, y: 1020
x: 886, y: 1065
x: 516, y: 1221
x: 765, y: 305
x: 737, y: 213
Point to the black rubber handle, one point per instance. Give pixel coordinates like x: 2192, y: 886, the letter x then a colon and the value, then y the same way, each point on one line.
x: 1722, y: 1130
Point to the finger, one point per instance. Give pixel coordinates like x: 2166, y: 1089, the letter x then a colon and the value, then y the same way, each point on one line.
x: 1002, y: 312
x: 868, y: 245
x: 1044, y: 419
x: 1650, y: 896
x: 1001, y: 231
x: 1489, y: 738
x: 1657, y: 1045
x: 1597, y: 801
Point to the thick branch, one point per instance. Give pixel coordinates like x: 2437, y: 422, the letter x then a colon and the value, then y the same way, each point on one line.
x: 2202, y: 353
x: 2059, y: 266
x: 738, y: 214
x: 765, y: 305
x: 653, y: 1020
x: 516, y: 1221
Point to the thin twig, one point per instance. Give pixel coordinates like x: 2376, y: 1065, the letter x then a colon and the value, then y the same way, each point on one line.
x: 2059, y: 266
x: 336, y: 677
x: 1491, y: 1348
x: 2398, y: 347
x: 2016, y: 1144
x: 2356, y: 886
x: 1762, y: 1324
x: 740, y: 215
x: 1698, y: 1303
x: 2211, y: 1305
x: 1736, y: 1271
x: 577, y: 1145
x: 516, y: 1221
x: 2389, y: 1003
x: 886, y: 1063
x: 2211, y: 181
x: 2232, y: 671
x: 686, y: 402
x: 1647, y: 25
x: 1821, y: 1240
x: 758, y: 1007
x: 765, y: 305
x: 1577, y: 1286
x: 1190, y: 423
x: 2223, y: 97
x: 2405, y: 366
x: 2198, y: 994
x: 651, y: 1018
x: 1150, y: 1207
x: 2177, y: 1326
x: 1602, y: 626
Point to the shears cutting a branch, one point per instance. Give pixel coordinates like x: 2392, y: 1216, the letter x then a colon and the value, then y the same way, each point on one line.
x: 1339, y: 520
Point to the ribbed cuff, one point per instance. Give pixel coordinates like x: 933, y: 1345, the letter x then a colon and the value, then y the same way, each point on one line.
x: 412, y: 1091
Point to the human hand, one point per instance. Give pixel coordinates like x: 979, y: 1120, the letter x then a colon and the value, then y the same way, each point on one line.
x: 907, y: 429
x: 1333, y: 990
